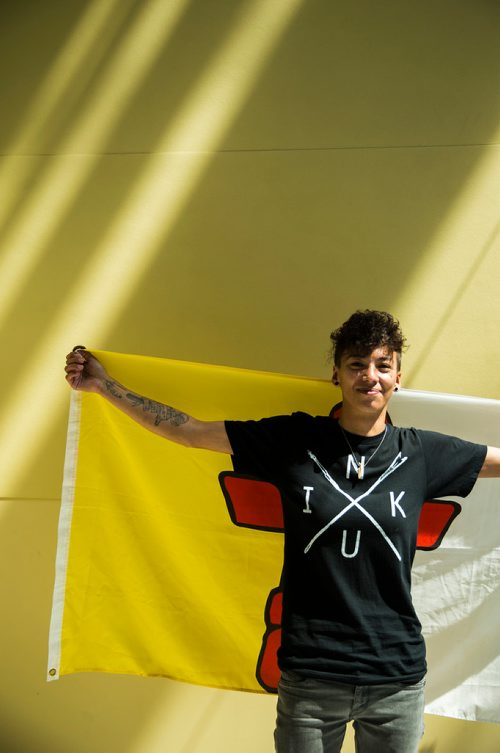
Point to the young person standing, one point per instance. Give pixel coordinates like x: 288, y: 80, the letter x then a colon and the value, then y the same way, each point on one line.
x: 352, y: 490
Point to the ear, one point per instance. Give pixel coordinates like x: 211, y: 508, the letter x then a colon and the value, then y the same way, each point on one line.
x: 397, y: 383
x: 335, y: 377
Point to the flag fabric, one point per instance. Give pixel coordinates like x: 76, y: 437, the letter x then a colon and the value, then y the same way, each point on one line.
x: 169, y: 562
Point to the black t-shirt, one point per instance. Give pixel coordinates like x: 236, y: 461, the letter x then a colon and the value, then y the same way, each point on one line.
x: 349, y: 542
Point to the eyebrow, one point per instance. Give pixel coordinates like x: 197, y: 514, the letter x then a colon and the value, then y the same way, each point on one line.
x: 387, y: 358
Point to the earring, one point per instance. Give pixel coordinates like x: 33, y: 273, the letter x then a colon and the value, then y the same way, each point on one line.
x: 396, y: 389
x: 336, y: 382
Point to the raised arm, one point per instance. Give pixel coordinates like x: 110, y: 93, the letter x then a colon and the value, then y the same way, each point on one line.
x: 85, y: 372
x: 491, y: 465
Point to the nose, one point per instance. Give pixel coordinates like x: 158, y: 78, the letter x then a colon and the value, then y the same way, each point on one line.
x: 370, y: 373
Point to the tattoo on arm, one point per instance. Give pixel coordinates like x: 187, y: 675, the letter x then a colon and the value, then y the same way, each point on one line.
x: 111, y: 388
x: 160, y: 411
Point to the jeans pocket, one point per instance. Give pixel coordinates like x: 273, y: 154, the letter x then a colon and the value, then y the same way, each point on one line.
x: 416, y: 685
x: 291, y: 677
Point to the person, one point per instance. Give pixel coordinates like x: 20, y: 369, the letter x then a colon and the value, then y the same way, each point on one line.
x: 352, y: 488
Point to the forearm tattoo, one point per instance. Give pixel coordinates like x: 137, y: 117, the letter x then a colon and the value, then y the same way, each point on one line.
x: 161, y: 412
x: 111, y: 388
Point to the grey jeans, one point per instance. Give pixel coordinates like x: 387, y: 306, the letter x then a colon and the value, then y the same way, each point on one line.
x: 312, y: 716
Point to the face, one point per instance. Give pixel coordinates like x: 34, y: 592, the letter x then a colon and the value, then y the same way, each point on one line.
x: 367, y: 382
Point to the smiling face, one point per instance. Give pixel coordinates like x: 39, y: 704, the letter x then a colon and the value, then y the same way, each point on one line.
x: 367, y: 381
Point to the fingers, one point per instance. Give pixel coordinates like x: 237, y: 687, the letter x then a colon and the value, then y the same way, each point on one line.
x: 75, y: 361
x: 75, y: 364
x: 79, y: 354
x: 83, y: 370
x: 74, y: 373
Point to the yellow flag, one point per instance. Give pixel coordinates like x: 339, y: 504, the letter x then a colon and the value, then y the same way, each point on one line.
x: 160, y: 571
x: 169, y: 563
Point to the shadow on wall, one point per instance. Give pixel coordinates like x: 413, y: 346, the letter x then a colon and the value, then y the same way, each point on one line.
x: 132, y: 239
x: 286, y: 162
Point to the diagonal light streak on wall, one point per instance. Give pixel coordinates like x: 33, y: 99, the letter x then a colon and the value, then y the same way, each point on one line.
x: 134, y: 238
x: 53, y: 197
x: 77, y: 56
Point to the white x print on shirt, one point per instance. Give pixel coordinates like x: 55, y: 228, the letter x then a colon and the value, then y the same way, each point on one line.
x: 396, y: 463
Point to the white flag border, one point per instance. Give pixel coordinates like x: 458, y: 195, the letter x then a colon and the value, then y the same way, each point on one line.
x: 63, y: 536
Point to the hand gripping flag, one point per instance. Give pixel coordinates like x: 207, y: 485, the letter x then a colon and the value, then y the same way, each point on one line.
x: 169, y: 562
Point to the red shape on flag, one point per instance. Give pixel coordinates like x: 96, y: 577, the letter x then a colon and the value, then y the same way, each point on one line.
x: 257, y: 504
x: 435, y: 519
x: 252, y: 503
x: 268, y: 673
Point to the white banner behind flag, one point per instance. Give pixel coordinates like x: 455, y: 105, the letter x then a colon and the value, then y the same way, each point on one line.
x: 456, y: 587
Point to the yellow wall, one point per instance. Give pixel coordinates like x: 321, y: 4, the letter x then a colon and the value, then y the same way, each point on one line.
x: 225, y: 181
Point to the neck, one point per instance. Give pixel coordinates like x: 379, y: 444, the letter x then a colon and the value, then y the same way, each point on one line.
x: 364, y: 425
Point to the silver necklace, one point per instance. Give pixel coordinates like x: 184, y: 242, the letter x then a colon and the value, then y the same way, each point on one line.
x: 361, y: 465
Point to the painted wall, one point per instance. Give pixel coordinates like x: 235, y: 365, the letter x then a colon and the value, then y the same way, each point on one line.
x: 225, y: 181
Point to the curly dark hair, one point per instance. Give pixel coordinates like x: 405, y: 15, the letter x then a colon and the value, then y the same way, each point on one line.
x: 366, y: 330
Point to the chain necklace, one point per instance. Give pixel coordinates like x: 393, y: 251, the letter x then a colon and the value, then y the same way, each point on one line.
x: 361, y: 465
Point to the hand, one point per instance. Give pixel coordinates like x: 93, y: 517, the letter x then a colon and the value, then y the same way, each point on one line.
x: 84, y: 371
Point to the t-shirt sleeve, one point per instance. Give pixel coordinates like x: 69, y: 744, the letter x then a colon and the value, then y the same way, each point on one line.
x: 452, y: 464
x: 260, y: 447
